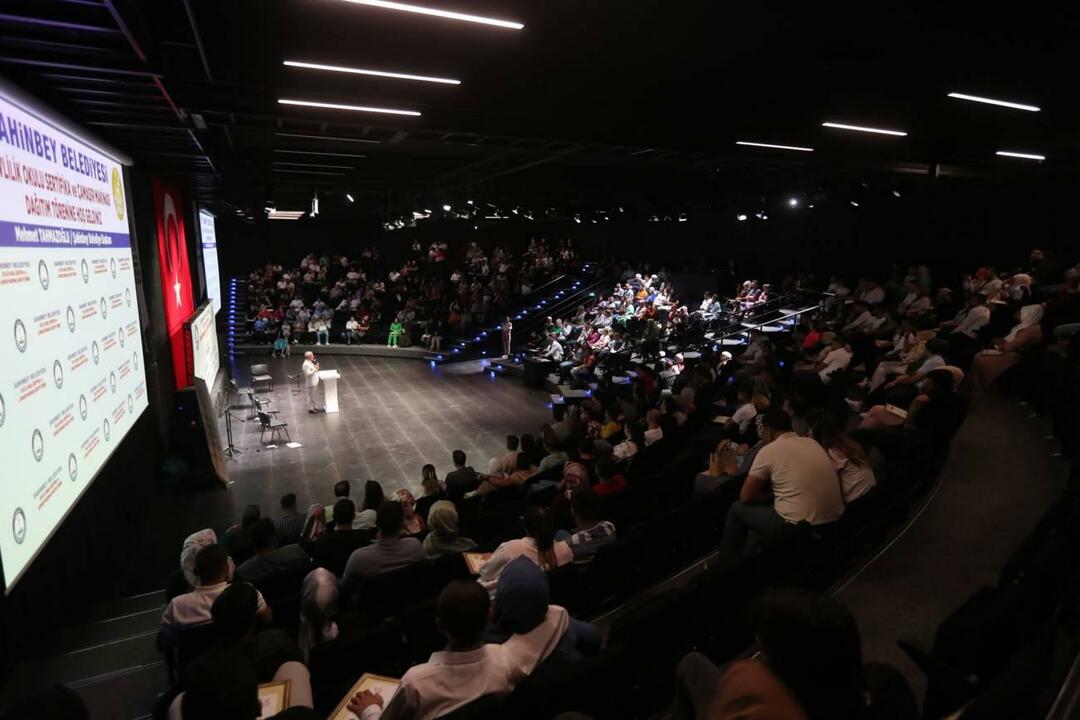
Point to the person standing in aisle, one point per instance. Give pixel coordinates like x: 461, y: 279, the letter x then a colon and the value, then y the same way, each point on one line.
x: 310, y: 369
x: 507, y: 327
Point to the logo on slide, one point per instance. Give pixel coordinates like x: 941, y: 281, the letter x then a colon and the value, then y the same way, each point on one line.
x: 112, y: 381
x: 82, y: 407
x: 118, y: 193
x: 43, y: 274
x: 71, y: 319
x: 73, y: 467
x: 3, y: 411
x: 85, y: 272
x: 20, y: 336
x: 104, y: 308
x: 131, y: 405
x: 37, y: 445
x: 106, y: 429
x: 112, y: 267
x: 135, y: 360
x: 120, y: 336
x: 58, y: 374
x: 127, y: 297
x: 18, y: 526
x: 95, y: 352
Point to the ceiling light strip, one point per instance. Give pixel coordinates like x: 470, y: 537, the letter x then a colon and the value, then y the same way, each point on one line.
x: 353, y: 108
x: 774, y: 147
x: 992, y: 101
x: 374, y: 73
x: 329, y: 138
x: 1025, y: 156
x: 317, y: 152
x: 308, y: 172
x: 862, y: 128
x: 314, y: 165
x: 435, y: 12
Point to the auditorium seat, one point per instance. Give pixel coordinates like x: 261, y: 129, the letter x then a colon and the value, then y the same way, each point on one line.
x: 337, y: 664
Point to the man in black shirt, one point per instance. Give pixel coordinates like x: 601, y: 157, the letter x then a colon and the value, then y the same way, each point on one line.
x: 333, y: 549
x: 461, y: 480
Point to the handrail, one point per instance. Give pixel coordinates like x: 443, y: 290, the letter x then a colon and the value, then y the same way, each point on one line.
x: 1067, y: 702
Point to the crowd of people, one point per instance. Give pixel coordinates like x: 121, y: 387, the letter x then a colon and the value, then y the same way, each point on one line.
x: 428, y: 297
x: 785, y: 436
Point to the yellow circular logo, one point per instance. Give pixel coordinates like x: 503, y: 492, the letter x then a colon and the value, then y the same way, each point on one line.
x: 118, y: 193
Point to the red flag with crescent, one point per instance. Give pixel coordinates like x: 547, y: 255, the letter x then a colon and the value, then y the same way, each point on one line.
x: 175, y: 272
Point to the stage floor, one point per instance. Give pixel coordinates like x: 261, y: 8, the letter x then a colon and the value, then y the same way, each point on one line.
x: 395, y: 416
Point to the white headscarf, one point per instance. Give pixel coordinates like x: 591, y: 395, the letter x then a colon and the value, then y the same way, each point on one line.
x: 318, y: 606
x: 192, y: 545
x: 1029, y: 315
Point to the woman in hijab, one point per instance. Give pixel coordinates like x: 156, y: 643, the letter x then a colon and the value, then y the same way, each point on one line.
x: 318, y: 608
x: 521, y: 604
x: 192, y: 545
x: 991, y: 364
x: 444, y: 538
x: 412, y: 523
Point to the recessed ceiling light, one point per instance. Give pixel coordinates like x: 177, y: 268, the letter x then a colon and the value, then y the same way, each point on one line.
x: 991, y: 101
x: 314, y: 165
x: 447, y: 14
x: 775, y: 147
x: 353, y: 108
x: 332, y: 138
x: 861, y: 128
x: 1025, y: 156
x: 318, y: 152
x: 375, y: 73
x: 349, y: 197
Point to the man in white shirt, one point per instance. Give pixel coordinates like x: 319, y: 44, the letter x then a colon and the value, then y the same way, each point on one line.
x: 836, y: 357
x: 969, y: 321
x: 871, y: 293
x: 803, y: 483
x: 310, y: 368
x: 862, y: 320
x: 553, y: 351
x: 468, y: 669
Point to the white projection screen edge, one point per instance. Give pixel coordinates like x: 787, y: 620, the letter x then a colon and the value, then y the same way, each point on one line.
x: 72, y: 372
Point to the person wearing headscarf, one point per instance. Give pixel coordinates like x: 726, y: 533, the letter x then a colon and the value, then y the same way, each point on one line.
x: 444, y: 538
x: 192, y: 545
x: 1007, y: 352
x: 521, y: 604
x: 314, y: 525
x: 318, y: 608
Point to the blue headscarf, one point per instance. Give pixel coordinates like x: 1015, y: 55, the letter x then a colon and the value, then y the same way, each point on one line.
x: 521, y: 601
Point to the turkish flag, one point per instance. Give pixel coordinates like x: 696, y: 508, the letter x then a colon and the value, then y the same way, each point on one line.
x: 175, y: 272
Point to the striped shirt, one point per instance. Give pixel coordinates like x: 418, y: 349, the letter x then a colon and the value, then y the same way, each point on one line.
x: 289, y: 527
x: 585, y: 543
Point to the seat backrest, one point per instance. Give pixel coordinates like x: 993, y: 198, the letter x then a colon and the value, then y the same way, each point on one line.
x: 193, y: 641
x: 264, y: 418
x: 260, y: 369
x: 483, y: 708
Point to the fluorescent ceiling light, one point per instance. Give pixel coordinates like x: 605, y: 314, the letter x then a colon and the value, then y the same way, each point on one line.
x: 376, y: 73
x: 775, y: 147
x: 860, y: 128
x: 354, y: 108
x: 420, y: 10
x: 350, y: 197
x: 316, y: 152
x: 314, y: 165
x: 1025, y: 156
x: 308, y: 172
x: 332, y: 138
x: 991, y: 101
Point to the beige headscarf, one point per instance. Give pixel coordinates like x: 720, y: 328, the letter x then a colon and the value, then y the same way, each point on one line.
x: 192, y: 545
x: 1029, y: 315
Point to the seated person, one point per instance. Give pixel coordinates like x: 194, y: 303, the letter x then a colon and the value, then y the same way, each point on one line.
x: 337, y: 544
x: 507, y: 462
x: 989, y: 365
x: 373, y: 499
x: 221, y: 685
x: 434, y: 490
x: 289, y: 525
x: 389, y: 552
x: 468, y: 669
x: 211, y: 571
x: 461, y: 479
x: 522, y: 472
x: 803, y: 485
x: 522, y: 604
x: 849, y: 458
x: 269, y: 558
x: 591, y: 533
x: 609, y: 479
x: 539, y: 545
x: 444, y: 538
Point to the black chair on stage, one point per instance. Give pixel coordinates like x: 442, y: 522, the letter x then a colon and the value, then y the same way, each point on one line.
x: 266, y: 424
x: 261, y: 378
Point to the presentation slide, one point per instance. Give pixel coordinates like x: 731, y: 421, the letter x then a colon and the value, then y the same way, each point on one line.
x: 72, y: 379
x: 204, y: 345
x: 208, y: 240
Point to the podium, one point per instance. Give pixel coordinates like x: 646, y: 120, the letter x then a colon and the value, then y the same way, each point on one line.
x: 329, y: 379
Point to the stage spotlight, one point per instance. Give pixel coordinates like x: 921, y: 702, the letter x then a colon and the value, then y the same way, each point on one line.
x: 793, y: 202
x: 446, y: 208
x: 896, y: 193
x: 854, y: 204
x: 741, y: 217
x: 349, y: 197
x: 468, y: 202
x: 764, y: 216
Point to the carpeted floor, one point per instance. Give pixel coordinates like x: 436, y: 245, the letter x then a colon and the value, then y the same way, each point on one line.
x: 997, y: 483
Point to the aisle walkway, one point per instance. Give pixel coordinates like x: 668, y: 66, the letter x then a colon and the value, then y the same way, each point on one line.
x: 998, y: 481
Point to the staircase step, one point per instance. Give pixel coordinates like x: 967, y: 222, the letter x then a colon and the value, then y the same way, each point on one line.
x: 125, y: 606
